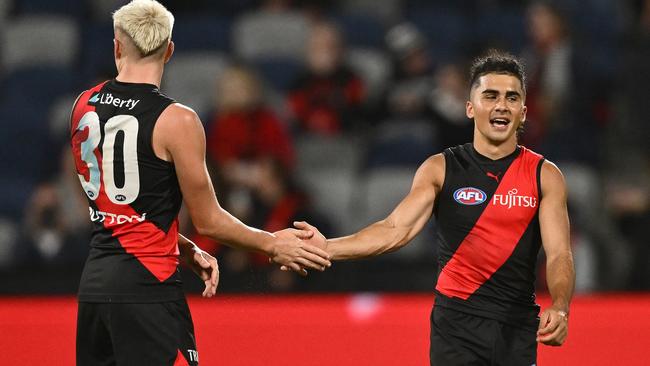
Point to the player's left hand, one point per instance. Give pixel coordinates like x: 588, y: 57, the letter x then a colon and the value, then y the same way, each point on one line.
x: 205, y: 266
x: 553, y: 327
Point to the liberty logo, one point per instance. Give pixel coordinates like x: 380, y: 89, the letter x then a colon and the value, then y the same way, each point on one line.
x: 513, y: 200
x: 109, y: 99
x: 494, y: 176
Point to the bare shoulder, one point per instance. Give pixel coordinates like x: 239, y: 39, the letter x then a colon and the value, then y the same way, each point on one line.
x: 178, y: 116
x: 551, y: 178
x: 176, y: 122
x: 433, y: 170
x: 177, y: 128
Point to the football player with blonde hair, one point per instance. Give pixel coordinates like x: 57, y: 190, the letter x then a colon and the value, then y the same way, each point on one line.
x: 139, y: 155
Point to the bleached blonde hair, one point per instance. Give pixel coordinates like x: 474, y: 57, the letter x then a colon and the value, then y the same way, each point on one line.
x: 147, y: 22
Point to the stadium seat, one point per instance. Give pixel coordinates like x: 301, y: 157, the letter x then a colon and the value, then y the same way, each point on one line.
x: 24, y: 149
x: 331, y: 193
x: 61, y: 7
x: 270, y: 35
x: 325, y: 153
x: 8, y: 241
x: 381, y: 191
x: 279, y: 74
x: 59, y: 117
x: 510, y: 35
x: 373, y: 66
x: 97, y: 51
x: 101, y: 10
x: 446, y: 31
x: 361, y: 30
x: 327, y: 167
x: 195, y: 33
x: 33, y: 88
x: 5, y: 7
x: 191, y: 79
x: 400, y: 143
x: 39, y: 39
x: 389, y: 11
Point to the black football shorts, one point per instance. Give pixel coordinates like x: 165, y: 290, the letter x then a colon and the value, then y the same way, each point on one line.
x: 143, y: 334
x: 459, y: 338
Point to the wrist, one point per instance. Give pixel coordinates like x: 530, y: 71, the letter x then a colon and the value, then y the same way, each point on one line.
x: 267, y: 244
x: 561, y: 306
x: 333, y: 250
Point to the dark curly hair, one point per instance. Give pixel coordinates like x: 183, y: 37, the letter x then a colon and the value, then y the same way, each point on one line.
x: 497, y: 62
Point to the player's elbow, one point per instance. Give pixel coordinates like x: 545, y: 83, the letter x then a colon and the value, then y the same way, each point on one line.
x: 203, y: 229
x: 208, y: 226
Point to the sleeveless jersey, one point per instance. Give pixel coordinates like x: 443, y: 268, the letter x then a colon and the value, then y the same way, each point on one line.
x: 488, y: 234
x: 133, y: 196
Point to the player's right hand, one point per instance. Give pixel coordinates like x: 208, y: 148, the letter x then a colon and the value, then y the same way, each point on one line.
x: 290, y: 251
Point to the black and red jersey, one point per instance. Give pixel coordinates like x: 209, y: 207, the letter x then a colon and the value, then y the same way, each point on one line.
x: 488, y: 234
x: 133, y: 195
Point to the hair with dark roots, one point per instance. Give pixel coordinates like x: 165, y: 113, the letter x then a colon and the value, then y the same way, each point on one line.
x: 497, y: 62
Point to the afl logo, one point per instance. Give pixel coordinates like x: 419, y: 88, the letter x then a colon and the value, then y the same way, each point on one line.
x: 469, y: 196
x: 120, y: 198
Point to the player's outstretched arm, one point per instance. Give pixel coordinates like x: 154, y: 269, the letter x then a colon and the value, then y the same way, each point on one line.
x: 201, y: 262
x: 560, y: 273
x: 396, y: 230
x: 179, y: 137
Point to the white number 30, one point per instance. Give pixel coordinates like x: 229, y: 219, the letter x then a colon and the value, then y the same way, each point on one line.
x: 129, y: 127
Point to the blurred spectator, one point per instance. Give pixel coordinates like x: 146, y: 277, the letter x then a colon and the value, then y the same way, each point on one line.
x: 411, y: 83
x: 56, y: 220
x: 548, y: 60
x: 274, y: 30
x: 277, y: 203
x: 242, y: 136
x: 564, y: 129
x: 327, y: 98
x: 405, y: 133
x: 243, y: 131
x: 447, y: 103
x: 628, y: 188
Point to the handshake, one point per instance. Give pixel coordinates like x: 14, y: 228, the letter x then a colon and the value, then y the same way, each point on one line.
x: 297, y: 249
x: 294, y: 249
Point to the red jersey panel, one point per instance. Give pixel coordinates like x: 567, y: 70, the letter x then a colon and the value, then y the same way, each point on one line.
x: 133, y: 196
x: 488, y: 231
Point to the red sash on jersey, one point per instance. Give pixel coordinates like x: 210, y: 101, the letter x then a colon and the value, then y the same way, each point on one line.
x: 497, y: 231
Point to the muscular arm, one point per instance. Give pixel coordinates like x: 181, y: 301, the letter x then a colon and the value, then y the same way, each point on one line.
x: 179, y: 137
x: 403, y: 224
x: 560, y: 274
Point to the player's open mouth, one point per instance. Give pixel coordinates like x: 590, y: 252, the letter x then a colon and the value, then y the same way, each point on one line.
x: 499, y: 122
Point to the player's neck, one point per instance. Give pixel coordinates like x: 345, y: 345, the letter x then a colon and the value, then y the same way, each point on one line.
x: 495, y: 151
x: 140, y: 73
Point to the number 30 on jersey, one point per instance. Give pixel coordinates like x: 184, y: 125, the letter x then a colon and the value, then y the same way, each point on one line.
x: 126, y: 124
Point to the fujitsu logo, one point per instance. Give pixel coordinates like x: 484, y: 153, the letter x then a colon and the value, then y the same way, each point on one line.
x: 512, y: 199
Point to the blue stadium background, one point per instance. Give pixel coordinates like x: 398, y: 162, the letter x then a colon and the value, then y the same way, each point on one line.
x: 597, y: 129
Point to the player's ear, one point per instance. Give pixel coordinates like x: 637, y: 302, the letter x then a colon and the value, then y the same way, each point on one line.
x: 524, y: 109
x: 169, y: 51
x: 469, y: 109
x: 117, y: 49
x: 117, y: 53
